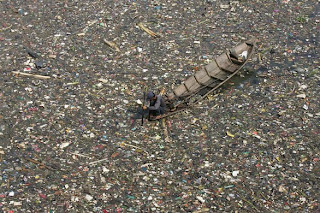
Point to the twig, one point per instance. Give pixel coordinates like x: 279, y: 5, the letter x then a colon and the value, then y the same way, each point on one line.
x: 150, y: 32
x: 72, y: 83
x: 165, y: 130
x: 101, y: 90
x: 246, y: 191
x: 134, y: 147
x: 94, y: 162
x: 250, y: 203
x: 5, y: 28
x: 27, y: 170
x: 264, y: 196
x: 31, y: 75
x: 202, y: 22
x: 294, y: 87
x: 260, y: 58
x: 112, y: 45
x: 103, y: 80
x: 41, y: 165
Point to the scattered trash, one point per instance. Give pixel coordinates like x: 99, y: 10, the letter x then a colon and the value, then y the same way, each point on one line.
x: 73, y: 75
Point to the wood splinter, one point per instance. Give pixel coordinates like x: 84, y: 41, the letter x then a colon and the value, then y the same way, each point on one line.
x: 112, y: 45
x: 31, y: 75
x: 98, y: 161
x: 41, y: 165
x: 150, y: 32
x: 165, y: 130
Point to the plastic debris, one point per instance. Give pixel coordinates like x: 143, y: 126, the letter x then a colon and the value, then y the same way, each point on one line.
x: 229, y: 134
x: 72, y: 79
x: 301, y: 96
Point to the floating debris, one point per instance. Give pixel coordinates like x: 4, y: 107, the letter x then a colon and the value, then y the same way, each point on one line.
x: 71, y: 137
x: 150, y: 32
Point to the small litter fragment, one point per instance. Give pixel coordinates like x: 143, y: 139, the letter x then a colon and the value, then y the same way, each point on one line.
x: 30, y: 75
x: 64, y: 145
x: 301, y: 96
x: 88, y: 197
x: 282, y: 189
x: 112, y: 45
x: 39, y: 64
x: 235, y: 173
x: 302, y: 87
x: 201, y: 199
x: 32, y: 53
x: 17, y: 203
x: 244, y: 54
x: 27, y: 69
x: 224, y: 6
x: 150, y: 32
x: 103, y: 80
x: 52, y: 56
x: 229, y: 134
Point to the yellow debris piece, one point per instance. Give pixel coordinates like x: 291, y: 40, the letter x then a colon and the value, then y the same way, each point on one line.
x: 229, y: 134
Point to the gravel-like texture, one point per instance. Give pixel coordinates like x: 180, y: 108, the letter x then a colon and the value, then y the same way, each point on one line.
x: 251, y: 147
